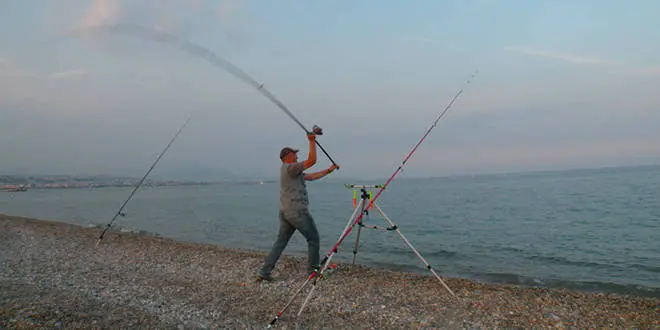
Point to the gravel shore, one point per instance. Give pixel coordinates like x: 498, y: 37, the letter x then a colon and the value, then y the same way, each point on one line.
x: 53, y: 276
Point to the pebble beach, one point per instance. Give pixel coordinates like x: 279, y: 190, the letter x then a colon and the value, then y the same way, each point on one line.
x: 53, y: 275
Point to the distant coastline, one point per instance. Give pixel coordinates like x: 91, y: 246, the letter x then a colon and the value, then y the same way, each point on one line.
x: 20, y: 182
x: 23, y: 183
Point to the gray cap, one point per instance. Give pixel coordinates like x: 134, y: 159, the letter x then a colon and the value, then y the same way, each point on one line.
x: 286, y: 150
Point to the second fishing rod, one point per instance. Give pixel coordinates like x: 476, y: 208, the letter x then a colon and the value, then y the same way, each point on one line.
x: 189, y: 47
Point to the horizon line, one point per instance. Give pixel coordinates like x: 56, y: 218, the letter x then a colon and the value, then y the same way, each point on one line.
x: 271, y: 178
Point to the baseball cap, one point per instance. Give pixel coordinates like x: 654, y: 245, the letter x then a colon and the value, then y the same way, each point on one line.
x: 286, y: 150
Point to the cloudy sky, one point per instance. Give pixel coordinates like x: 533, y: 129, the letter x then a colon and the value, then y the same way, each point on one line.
x: 561, y: 84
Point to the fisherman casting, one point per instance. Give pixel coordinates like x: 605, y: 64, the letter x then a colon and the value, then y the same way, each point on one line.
x: 293, y: 209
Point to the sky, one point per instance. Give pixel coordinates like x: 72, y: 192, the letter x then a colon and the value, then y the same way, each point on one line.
x: 560, y: 84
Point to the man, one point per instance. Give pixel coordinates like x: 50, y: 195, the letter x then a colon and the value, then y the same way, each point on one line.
x: 293, y: 210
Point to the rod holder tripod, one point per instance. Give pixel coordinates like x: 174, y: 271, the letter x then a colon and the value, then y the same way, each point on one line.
x: 365, y: 200
x: 366, y: 196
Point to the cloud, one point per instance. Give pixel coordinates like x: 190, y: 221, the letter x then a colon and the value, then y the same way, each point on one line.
x: 621, y: 68
x: 417, y: 38
x: 649, y: 70
x: 172, y: 16
x: 481, y: 3
x: 109, y: 12
x: 578, y: 152
x: 68, y: 74
x: 102, y: 12
x: 562, y: 57
x: 227, y: 9
x: 232, y: 23
x: 18, y: 74
x: 10, y: 69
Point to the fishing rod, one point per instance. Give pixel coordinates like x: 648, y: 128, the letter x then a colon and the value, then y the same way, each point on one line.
x: 194, y: 49
x: 328, y: 257
x: 119, y: 212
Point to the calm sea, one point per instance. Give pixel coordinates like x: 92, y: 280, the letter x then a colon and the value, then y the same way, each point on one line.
x: 592, y: 230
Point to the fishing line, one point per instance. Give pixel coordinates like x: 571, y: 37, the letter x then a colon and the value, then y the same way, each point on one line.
x: 326, y: 260
x: 119, y: 212
x: 159, y: 36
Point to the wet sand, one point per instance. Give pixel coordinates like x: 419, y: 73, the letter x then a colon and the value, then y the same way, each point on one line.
x: 53, y: 276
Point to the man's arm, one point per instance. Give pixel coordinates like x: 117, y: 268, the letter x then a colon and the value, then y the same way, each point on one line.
x: 300, y: 167
x: 311, y: 158
x: 319, y: 174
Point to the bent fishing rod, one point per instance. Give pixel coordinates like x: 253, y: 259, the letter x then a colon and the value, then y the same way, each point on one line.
x: 119, y: 212
x: 142, y: 32
x: 326, y: 260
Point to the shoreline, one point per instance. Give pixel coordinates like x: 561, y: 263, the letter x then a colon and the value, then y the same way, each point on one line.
x: 485, y: 278
x: 52, y: 274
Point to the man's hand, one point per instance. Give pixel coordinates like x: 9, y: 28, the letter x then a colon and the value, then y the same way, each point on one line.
x: 320, y: 174
x: 311, y: 136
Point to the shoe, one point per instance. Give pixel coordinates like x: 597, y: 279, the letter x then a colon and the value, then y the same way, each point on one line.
x: 267, y: 278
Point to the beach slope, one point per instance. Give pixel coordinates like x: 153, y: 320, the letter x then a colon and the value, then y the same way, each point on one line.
x: 52, y: 275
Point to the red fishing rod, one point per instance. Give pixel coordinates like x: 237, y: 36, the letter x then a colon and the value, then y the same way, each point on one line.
x: 333, y: 251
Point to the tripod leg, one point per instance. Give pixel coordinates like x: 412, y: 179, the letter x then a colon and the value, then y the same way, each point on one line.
x: 428, y: 266
x: 357, y: 242
x: 357, y: 238
x: 350, y: 220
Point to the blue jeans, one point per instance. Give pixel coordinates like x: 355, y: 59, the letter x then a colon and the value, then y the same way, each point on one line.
x: 289, y: 223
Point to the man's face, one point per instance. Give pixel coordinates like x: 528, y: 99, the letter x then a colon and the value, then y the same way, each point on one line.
x: 292, y: 157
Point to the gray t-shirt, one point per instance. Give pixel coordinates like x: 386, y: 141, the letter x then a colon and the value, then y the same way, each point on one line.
x: 293, y: 190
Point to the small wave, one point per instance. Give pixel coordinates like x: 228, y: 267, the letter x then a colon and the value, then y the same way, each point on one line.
x: 653, y: 269
x: 139, y: 232
x: 583, y: 286
x: 129, y: 230
x: 565, y: 261
x: 430, y: 254
x: 402, y: 250
x: 398, y: 267
x: 510, y: 249
x: 590, y: 264
x: 529, y: 281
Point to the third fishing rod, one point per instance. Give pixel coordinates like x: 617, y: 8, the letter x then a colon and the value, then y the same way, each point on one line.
x: 142, y: 32
x: 139, y: 184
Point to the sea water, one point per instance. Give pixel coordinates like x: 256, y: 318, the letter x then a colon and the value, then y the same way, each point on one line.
x: 591, y: 230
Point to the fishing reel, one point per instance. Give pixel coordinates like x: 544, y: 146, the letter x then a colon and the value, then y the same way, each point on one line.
x: 317, y: 130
